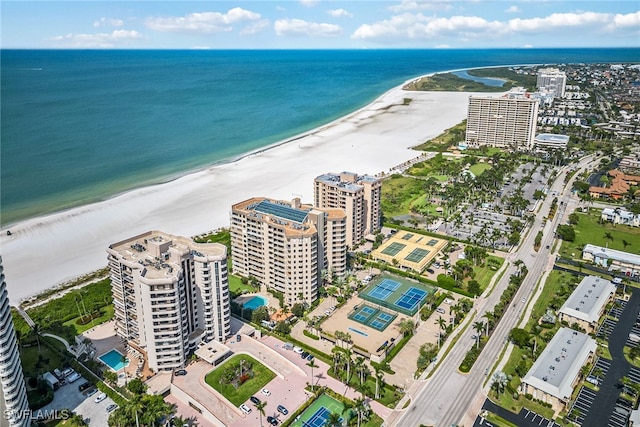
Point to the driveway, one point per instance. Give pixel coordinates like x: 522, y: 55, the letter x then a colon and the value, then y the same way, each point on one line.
x: 69, y: 397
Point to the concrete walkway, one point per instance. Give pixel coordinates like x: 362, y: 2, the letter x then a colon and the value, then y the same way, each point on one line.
x: 62, y: 340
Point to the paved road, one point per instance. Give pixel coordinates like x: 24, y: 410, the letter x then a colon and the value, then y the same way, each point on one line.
x: 444, y: 399
x: 605, y: 399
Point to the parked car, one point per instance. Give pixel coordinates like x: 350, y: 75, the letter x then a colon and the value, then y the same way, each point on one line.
x: 238, y: 338
x: 73, y: 377
x: 266, y: 392
x: 92, y: 392
x: 244, y: 408
x: 297, y: 349
x: 254, y: 400
x: 310, y: 357
x: 180, y: 372
x: 100, y: 398
x: 282, y: 410
x: 85, y: 385
x: 112, y: 407
x: 272, y: 420
x: 440, y: 310
x: 304, y: 354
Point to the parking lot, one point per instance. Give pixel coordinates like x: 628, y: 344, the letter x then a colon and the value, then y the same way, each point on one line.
x: 582, y: 404
x: 525, y: 418
x: 68, y: 396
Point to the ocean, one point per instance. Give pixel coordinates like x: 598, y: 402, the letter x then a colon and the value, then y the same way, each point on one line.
x: 79, y: 126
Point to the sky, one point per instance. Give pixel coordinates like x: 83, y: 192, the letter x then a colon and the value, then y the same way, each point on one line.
x: 319, y: 24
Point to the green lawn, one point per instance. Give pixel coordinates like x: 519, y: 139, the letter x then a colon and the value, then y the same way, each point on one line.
x: 237, y: 396
x: 479, y: 168
x: 588, y: 230
x: 108, y: 315
x: 29, y: 358
x: 558, y: 285
x: 236, y: 286
x: 484, y: 274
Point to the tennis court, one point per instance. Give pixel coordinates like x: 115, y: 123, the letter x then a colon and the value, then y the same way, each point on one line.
x: 417, y: 255
x: 393, y: 249
x: 373, y: 317
x: 318, y: 413
x: 393, y: 293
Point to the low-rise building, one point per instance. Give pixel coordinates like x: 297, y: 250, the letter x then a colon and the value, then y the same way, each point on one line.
x: 620, y: 216
x: 587, y: 303
x: 555, y: 373
x: 618, y: 187
x: 411, y: 251
x: 550, y: 141
x: 613, y: 260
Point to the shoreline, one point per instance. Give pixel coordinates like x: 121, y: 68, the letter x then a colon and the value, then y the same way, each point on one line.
x: 45, y: 251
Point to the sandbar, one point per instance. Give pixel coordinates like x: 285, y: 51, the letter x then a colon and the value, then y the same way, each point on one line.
x: 49, y: 250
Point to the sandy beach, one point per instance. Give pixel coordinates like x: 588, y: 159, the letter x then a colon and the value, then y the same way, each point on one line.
x: 46, y: 251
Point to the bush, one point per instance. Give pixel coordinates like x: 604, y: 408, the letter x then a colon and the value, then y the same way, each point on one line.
x: 310, y: 335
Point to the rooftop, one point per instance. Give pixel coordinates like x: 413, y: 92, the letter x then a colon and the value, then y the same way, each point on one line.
x: 552, y: 137
x: 281, y: 210
x: 620, y: 256
x: 588, y: 298
x: 559, y: 364
x: 346, y: 180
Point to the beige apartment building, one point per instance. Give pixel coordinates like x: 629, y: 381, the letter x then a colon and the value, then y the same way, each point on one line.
x: 505, y: 122
x: 551, y: 80
x: 286, y: 245
x: 169, y: 295
x: 359, y: 197
x: 587, y: 303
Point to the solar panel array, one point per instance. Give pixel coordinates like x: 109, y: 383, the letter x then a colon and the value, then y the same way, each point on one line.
x: 281, y: 211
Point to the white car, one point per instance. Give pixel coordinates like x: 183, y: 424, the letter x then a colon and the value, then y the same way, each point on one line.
x: 266, y: 392
x: 73, y: 377
x: 244, y: 408
x: 100, y: 398
x: 297, y: 350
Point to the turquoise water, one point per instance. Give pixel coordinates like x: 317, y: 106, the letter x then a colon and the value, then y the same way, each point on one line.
x: 83, y: 125
x: 113, y: 359
x: 255, y: 302
x: 358, y: 331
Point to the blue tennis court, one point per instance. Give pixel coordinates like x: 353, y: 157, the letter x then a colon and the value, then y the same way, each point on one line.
x: 384, y: 289
x: 381, y: 321
x: 364, y: 314
x: 411, y: 298
x: 318, y: 419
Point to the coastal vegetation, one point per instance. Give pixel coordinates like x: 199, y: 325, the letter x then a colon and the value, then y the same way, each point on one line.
x: 446, y: 139
x: 451, y: 83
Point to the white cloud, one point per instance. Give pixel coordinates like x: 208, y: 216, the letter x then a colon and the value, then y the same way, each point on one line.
x: 528, y: 46
x: 101, y: 40
x: 106, y: 22
x: 340, y: 13
x: 409, y: 5
x: 202, y: 22
x: 255, y: 27
x: 309, y: 3
x: 513, y: 9
x: 299, y: 27
x: 412, y: 26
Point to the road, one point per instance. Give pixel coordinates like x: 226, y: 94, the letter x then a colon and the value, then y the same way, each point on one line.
x: 445, y: 398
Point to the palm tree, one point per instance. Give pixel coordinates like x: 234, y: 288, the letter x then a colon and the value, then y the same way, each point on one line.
x: 406, y: 327
x: 478, y: 327
x: 499, y: 382
x: 625, y: 244
x: 312, y: 364
x: 608, y: 236
x: 260, y: 407
x: 77, y: 420
x: 333, y: 420
x: 489, y: 316
x: 443, y: 324
x: 359, y: 407
x: 379, y: 378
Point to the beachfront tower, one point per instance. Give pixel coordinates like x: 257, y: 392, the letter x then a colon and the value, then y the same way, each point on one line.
x: 505, y: 122
x: 551, y: 80
x: 169, y: 294
x: 358, y: 196
x: 14, y: 407
x: 286, y: 245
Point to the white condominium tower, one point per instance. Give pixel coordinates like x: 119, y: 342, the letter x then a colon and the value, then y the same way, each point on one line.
x: 14, y: 406
x: 169, y: 294
x: 358, y: 196
x: 505, y: 122
x: 286, y: 245
x: 551, y: 80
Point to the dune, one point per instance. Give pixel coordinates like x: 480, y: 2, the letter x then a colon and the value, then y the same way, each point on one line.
x: 46, y: 251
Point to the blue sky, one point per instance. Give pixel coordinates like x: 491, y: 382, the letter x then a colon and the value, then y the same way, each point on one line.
x: 315, y: 24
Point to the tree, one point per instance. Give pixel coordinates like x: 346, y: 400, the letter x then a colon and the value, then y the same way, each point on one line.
x: 478, y: 326
x: 260, y: 407
x: 298, y: 310
x: 625, y: 243
x: 136, y: 386
x: 608, y: 236
x: 312, y: 365
x: 474, y: 287
x: 333, y: 420
x: 574, y: 218
x: 283, y: 327
x: 379, y: 378
x: 442, y: 324
x: 407, y: 327
x: 519, y: 337
x: 566, y: 232
x: 260, y: 314
x: 499, y: 382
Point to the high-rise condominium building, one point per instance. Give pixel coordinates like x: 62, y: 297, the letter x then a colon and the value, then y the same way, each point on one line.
x: 169, y: 294
x: 14, y: 406
x: 358, y: 196
x: 505, y: 122
x: 551, y: 80
x: 286, y: 245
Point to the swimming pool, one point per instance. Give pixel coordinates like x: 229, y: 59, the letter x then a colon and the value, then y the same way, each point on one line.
x: 113, y: 359
x: 255, y: 302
